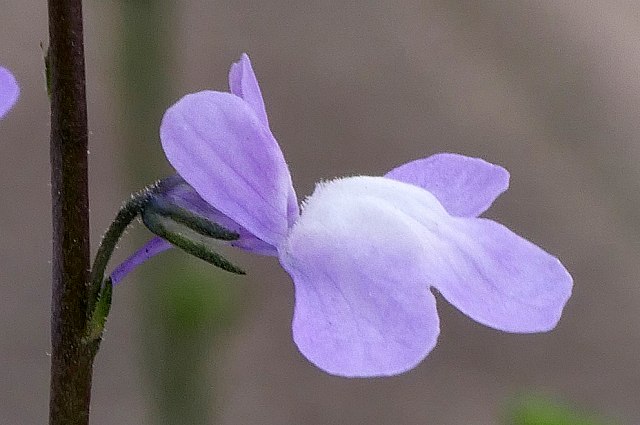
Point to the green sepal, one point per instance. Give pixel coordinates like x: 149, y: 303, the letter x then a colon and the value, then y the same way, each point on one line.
x: 195, y: 222
x: 98, y: 317
x: 163, y: 225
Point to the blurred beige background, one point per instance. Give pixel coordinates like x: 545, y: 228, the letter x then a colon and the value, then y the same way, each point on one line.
x: 549, y: 90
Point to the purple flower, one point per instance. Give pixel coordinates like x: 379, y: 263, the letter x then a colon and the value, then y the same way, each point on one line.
x: 9, y: 91
x: 364, y: 252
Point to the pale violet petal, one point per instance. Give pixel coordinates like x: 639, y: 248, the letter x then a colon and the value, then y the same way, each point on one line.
x: 465, y: 186
x: 221, y: 148
x: 244, y: 84
x: 9, y: 91
x: 362, y: 305
x: 500, y: 279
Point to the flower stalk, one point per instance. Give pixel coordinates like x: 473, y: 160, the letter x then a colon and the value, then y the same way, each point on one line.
x: 127, y: 213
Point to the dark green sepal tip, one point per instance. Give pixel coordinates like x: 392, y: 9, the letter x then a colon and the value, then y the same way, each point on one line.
x: 162, y: 225
x: 195, y: 222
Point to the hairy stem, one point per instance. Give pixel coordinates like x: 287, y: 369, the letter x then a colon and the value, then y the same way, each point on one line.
x: 71, y: 358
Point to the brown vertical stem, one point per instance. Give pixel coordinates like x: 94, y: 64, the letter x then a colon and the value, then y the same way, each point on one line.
x: 71, y: 358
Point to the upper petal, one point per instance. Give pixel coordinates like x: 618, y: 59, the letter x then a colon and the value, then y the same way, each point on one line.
x: 362, y: 305
x: 244, y: 84
x: 465, y: 186
x: 221, y: 148
x: 9, y: 91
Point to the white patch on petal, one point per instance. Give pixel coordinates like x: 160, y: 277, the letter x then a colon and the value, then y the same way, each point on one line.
x: 332, y: 196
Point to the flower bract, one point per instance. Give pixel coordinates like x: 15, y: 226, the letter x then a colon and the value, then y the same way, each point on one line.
x: 364, y: 253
